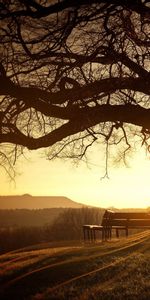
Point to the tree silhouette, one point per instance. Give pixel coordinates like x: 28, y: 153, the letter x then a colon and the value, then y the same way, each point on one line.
x: 73, y: 73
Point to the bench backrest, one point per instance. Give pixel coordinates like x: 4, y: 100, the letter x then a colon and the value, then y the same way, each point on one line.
x: 128, y: 219
x: 107, y: 217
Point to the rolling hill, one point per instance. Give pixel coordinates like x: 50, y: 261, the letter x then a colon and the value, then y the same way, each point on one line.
x: 27, y: 201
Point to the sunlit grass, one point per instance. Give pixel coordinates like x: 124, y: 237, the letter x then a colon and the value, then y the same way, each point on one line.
x: 129, y: 279
x: 78, y: 271
x: 16, y: 264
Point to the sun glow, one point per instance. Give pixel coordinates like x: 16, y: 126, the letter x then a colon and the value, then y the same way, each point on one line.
x: 126, y: 187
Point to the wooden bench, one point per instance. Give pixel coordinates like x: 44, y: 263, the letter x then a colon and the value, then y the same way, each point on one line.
x: 117, y: 221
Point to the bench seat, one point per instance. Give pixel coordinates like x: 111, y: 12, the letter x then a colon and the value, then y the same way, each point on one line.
x: 89, y: 231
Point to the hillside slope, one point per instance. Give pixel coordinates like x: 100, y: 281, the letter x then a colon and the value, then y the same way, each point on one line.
x: 77, y: 271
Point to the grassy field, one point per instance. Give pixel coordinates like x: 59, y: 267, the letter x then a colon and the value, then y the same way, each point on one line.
x: 118, y: 269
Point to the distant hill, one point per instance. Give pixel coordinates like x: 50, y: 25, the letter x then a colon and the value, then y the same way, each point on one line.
x: 36, y: 202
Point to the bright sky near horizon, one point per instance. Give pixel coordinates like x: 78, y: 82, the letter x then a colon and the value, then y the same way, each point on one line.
x: 126, y: 187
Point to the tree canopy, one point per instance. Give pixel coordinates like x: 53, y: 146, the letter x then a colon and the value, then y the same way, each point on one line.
x: 73, y: 73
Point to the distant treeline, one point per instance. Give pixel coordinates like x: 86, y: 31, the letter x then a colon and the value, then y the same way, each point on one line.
x: 66, y: 226
x: 27, y: 217
x: 41, y: 217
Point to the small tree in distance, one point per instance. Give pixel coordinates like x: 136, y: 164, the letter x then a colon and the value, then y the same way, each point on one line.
x: 73, y: 73
x: 68, y: 225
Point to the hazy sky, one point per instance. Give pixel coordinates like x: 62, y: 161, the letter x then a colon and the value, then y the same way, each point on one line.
x: 127, y: 187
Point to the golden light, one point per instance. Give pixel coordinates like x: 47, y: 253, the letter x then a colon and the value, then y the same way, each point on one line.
x: 127, y: 187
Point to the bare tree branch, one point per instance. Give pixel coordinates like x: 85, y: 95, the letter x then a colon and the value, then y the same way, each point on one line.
x: 72, y: 72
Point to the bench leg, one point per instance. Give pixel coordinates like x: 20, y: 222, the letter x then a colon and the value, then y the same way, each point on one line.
x: 103, y: 234
x: 88, y: 235
x: 84, y: 234
x: 108, y: 233
x: 91, y: 235
x: 94, y: 235
x: 117, y: 233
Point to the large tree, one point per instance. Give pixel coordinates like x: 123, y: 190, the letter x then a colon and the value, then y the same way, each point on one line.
x: 72, y: 73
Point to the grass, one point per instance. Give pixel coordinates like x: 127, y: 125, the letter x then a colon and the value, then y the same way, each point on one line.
x: 119, y: 269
